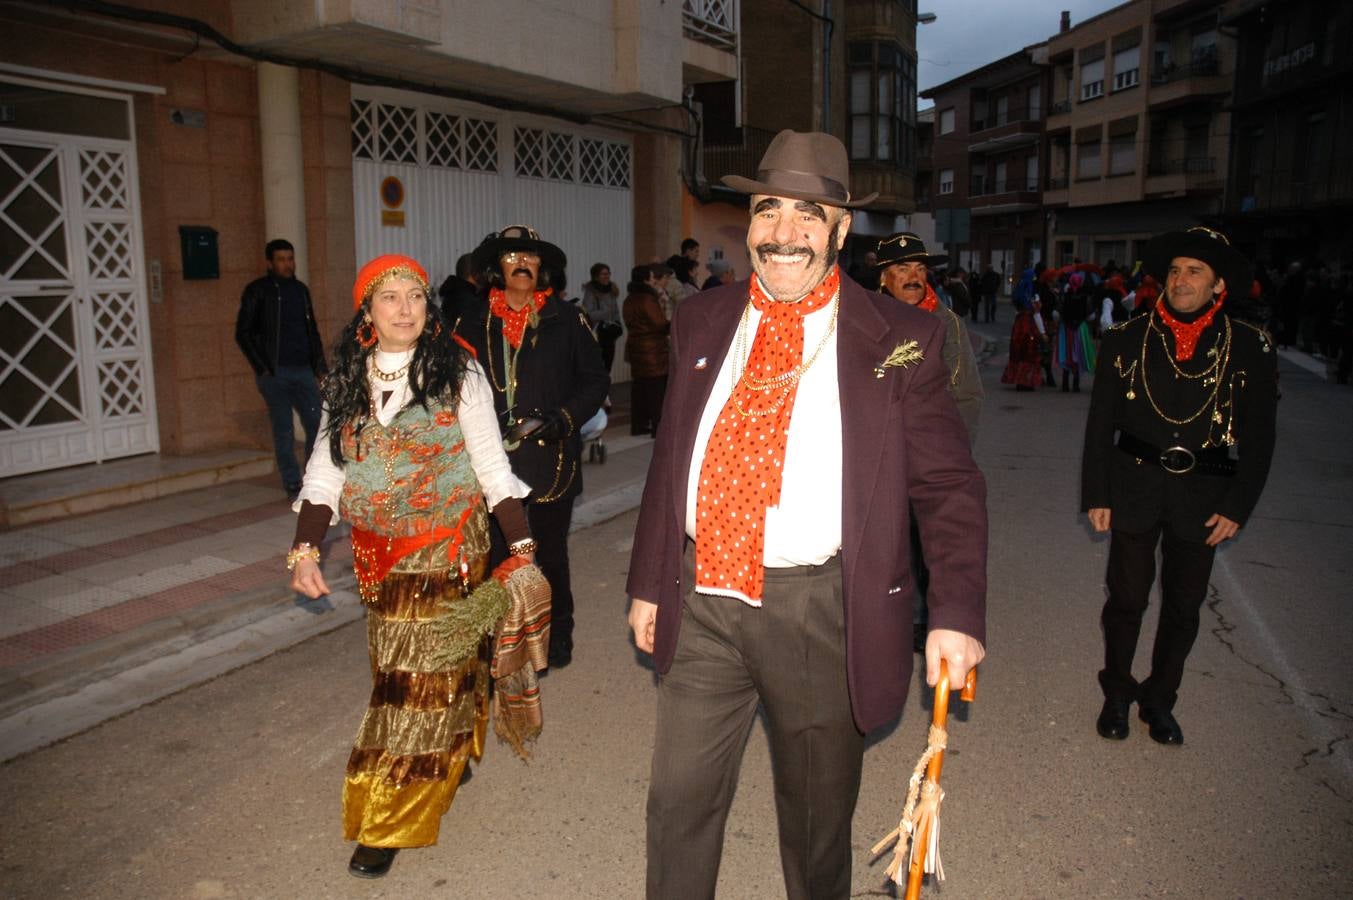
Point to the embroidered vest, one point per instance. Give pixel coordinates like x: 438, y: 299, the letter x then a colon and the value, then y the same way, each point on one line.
x: 412, y: 498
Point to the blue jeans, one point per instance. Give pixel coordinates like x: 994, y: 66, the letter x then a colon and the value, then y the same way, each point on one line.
x: 293, y: 387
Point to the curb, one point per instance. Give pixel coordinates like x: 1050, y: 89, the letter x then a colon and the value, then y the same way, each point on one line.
x: 69, y: 693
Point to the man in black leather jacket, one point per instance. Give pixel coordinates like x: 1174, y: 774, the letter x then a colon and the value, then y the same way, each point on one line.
x: 276, y: 331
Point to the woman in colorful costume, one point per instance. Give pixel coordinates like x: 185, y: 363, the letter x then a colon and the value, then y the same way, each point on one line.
x: 1025, y: 368
x: 410, y: 454
x: 1074, y: 351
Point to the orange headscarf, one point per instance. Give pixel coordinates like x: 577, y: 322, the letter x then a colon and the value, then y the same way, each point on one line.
x: 381, y: 268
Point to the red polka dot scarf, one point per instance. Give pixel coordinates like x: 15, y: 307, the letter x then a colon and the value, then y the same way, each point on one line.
x: 1186, y: 334
x: 743, y: 466
x: 515, y: 320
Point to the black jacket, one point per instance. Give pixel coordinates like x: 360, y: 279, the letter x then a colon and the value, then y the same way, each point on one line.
x: 259, y: 323
x: 1142, y: 495
x: 559, y: 367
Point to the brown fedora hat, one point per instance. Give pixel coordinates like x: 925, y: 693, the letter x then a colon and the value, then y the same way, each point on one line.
x: 804, y: 165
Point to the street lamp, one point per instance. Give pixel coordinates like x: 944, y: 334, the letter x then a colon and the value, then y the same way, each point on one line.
x: 925, y: 18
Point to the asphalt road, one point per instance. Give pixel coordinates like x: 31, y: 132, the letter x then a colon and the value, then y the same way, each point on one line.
x: 231, y: 789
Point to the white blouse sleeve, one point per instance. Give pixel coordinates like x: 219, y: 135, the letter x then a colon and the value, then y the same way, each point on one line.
x: 323, y: 484
x: 483, y: 440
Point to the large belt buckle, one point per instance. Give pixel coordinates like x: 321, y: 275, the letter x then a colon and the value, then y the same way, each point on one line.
x: 1178, y: 460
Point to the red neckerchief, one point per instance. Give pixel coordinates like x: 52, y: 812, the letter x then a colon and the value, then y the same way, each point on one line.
x: 931, y: 301
x: 1186, y: 333
x: 515, y: 320
x: 743, y: 467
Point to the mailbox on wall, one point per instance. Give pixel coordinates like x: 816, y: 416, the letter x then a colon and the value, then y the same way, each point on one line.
x: 200, y: 256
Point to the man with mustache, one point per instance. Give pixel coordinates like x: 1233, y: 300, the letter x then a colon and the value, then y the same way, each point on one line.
x: 1175, y: 390
x: 904, y: 273
x: 806, y: 419
x: 548, y: 378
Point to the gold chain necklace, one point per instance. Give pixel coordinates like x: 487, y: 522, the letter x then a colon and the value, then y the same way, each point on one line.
x: 509, y: 361
x: 1216, y: 355
x: 389, y: 376
x: 1211, y: 400
x: 785, y: 382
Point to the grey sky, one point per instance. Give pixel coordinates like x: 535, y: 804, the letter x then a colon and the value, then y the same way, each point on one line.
x: 968, y: 34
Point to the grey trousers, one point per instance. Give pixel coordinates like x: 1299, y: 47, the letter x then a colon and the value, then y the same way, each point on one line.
x: 789, y: 657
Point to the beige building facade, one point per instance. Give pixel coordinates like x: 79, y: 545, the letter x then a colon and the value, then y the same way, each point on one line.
x: 150, y: 151
x: 1137, y: 127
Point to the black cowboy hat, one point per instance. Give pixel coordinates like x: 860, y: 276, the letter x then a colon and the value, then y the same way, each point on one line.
x: 518, y: 237
x: 1211, y: 246
x: 905, y: 247
x: 805, y: 166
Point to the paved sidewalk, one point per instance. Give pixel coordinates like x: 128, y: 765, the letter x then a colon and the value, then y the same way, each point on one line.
x: 107, y: 611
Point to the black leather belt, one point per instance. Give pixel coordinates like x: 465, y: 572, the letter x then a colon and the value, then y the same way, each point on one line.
x: 1179, y: 460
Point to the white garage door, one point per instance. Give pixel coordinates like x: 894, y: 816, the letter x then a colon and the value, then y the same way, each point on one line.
x: 467, y: 170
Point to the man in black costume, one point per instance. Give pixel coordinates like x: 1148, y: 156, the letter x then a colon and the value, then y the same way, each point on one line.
x: 1177, y: 449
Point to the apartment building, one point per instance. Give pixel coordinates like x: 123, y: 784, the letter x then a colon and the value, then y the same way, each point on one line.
x: 987, y: 185
x: 1290, y: 192
x: 152, y: 149
x: 1138, y: 127
x: 847, y: 68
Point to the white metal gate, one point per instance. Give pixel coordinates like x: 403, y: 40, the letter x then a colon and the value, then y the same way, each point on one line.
x: 75, y: 369
x: 467, y: 170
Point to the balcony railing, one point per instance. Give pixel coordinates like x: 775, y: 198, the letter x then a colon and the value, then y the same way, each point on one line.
x: 1058, y: 184
x: 981, y: 187
x: 738, y: 158
x: 1200, y: 67
x: 1060, y: 107
x: 996, y: 120
x: 1190, y: 165
x: 713, y: 22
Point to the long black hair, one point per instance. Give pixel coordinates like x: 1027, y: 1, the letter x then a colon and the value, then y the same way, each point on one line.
x: 436, y: 370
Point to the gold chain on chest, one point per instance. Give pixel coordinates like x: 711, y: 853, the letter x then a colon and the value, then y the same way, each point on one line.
x: 785, y: 382
x: 1219, y: 366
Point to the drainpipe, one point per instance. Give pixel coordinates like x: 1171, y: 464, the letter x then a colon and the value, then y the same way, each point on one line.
x: 827, y: 66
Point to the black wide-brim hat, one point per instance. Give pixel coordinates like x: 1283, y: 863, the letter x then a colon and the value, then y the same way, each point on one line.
x: 804, y: 165
x: 905, y: 247
x: 518, y: 237
x: 1212, y: 247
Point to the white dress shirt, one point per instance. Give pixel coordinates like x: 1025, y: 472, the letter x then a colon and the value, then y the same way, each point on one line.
x: 805, y: 528
x: 478, y: 422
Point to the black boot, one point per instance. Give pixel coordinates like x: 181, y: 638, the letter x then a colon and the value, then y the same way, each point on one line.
x: 1113, y: 720
x: 371, y: 862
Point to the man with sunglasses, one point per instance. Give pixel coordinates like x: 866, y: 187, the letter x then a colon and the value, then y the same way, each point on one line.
x: 548, y: 378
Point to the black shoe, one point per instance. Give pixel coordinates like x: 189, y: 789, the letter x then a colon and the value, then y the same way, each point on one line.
x: 371, y: 862
x: 918, y: 635
x: 1113, y: 720
x: 561, y: 652
x: 1161, y: 725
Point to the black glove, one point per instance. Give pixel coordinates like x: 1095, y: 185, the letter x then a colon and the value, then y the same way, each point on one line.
x: 552, y: 425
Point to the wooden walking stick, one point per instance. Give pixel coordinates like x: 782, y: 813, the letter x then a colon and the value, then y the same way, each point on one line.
x: 920, y: 825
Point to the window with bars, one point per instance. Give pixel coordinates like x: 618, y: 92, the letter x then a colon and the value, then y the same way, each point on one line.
x: 882, y: 102
x: 385, y: 132
x: 391, y: 133
x: 1092, y: 80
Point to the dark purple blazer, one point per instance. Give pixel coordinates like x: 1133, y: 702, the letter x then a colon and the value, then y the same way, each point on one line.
x: 904, y: 449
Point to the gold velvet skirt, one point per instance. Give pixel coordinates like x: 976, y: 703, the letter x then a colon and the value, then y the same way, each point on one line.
x: 424, y: 721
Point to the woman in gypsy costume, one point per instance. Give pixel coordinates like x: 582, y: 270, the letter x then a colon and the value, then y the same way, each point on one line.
x: 1025, y: 368
x: 410, y: 454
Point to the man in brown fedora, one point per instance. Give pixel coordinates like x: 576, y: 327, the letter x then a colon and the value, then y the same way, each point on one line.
x: 806, y: 420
